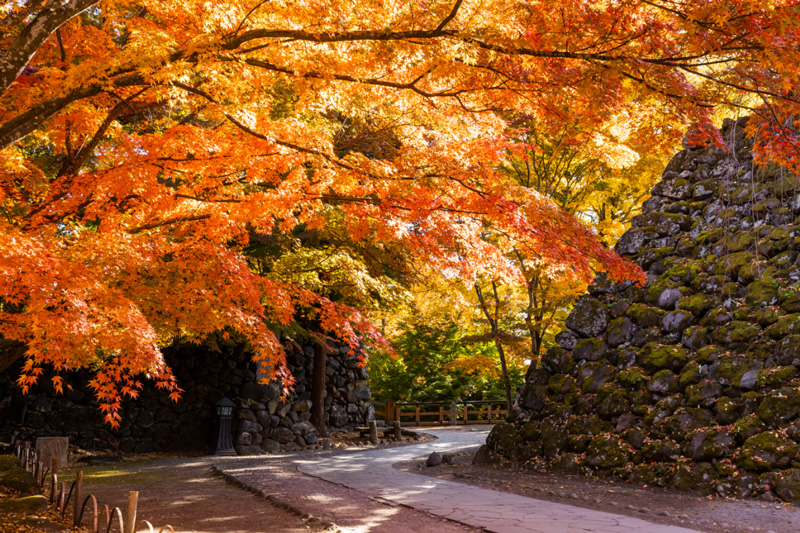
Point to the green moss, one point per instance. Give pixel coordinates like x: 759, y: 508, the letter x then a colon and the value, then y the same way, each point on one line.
x: 728, y: 410
x: 560, y: 384
x: 709, y: 236
x: 761, y: 292
x: 766, y: 316
x: 777, y: 376
x: 684, y: 271
x: 631, y: 377
x: 731, y: 264
x: 15, y: 478
x: 789, y: 300
x: 753, y: 271
x: 736, y: 331
x: 730, y: 370
x: 607, y: 451
x: 779, y: 406
x: 784, y: 326
x: 690, y: 375
x: 738, y: 242
x: 697, y: 304
x: 530, y: 431
x: 707, y: 354
x: 655, y: 357
x: 589, y: 349
x: 783, y: 260
x: 26, y: 505
x: 504, y: 439
x: 747, y: 426
x: 767, y: 451
x: 784, y: 186
x: 645, y: 315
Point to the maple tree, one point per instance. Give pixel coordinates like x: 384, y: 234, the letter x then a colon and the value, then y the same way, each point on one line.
x: 145, y: 143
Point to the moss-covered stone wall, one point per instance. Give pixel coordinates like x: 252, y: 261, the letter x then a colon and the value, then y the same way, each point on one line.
x: 691, y: 381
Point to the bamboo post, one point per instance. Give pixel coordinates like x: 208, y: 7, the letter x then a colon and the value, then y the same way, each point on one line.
x: 76, y: 504
x: 130, y: 512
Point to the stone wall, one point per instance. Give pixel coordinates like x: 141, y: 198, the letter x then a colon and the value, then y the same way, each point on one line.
x: 154, y: 423
x: 690, y: 382
x: 264, y: 422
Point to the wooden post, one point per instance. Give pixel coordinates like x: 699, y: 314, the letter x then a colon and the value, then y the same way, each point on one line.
x: 389, y: 411
x: 78, y: 492
x: 130, y: 512
x: 417, y: 415
x: 466, y: 413
x: 398, y: 433
x: 441, y: 415
x: 453, y: 414
x: 489, y: 406
x: 373, y: 432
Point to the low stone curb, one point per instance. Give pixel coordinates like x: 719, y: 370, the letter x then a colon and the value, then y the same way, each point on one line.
x: 236, y: 482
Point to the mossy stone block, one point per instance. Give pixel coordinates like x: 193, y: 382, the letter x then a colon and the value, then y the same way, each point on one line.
x: 655, y: 358
x: 698, y: 304
x: 607, y: 451
x: 761, y: 292
x: 767, y: 451
x: 589, y: 317
x: 787, y: 485
x: 784, y: 326
x: 700, y: 478
x: 504, y: 439
x: 779, y: 406
x: 645, y: 315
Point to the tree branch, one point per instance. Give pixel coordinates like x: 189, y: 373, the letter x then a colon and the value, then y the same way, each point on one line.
x: 30, y: 39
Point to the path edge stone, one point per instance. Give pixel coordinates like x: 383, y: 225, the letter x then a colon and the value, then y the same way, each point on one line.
x: 279, y: 502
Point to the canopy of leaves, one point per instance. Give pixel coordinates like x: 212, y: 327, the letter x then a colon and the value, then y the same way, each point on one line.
x: 434, y: 362
x: 145, y: 142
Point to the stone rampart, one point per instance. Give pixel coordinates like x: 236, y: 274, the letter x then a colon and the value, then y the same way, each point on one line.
x: 691, y: 381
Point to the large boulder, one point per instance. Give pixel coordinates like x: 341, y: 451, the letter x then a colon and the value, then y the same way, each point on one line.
x: 589, y: 317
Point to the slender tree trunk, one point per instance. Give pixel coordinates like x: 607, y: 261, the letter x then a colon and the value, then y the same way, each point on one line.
x: 318, y: 389
x: 494, y: 324
x: 506, y: 382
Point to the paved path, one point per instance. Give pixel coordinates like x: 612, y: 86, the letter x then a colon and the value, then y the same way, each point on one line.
x: 371, y: 471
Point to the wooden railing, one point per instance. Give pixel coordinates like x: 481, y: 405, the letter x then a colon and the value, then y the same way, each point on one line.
x: 61, y: 497
x: 441, y: 413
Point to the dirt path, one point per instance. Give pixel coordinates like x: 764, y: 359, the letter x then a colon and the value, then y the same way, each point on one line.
x: 192, y: 497
x: 184, y: 493
x: 709, y: 514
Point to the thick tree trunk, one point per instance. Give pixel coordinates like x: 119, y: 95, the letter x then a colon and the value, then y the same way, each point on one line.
x: 318, y: 389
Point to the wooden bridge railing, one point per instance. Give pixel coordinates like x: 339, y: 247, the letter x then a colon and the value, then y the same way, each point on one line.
x: 441, y: 413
